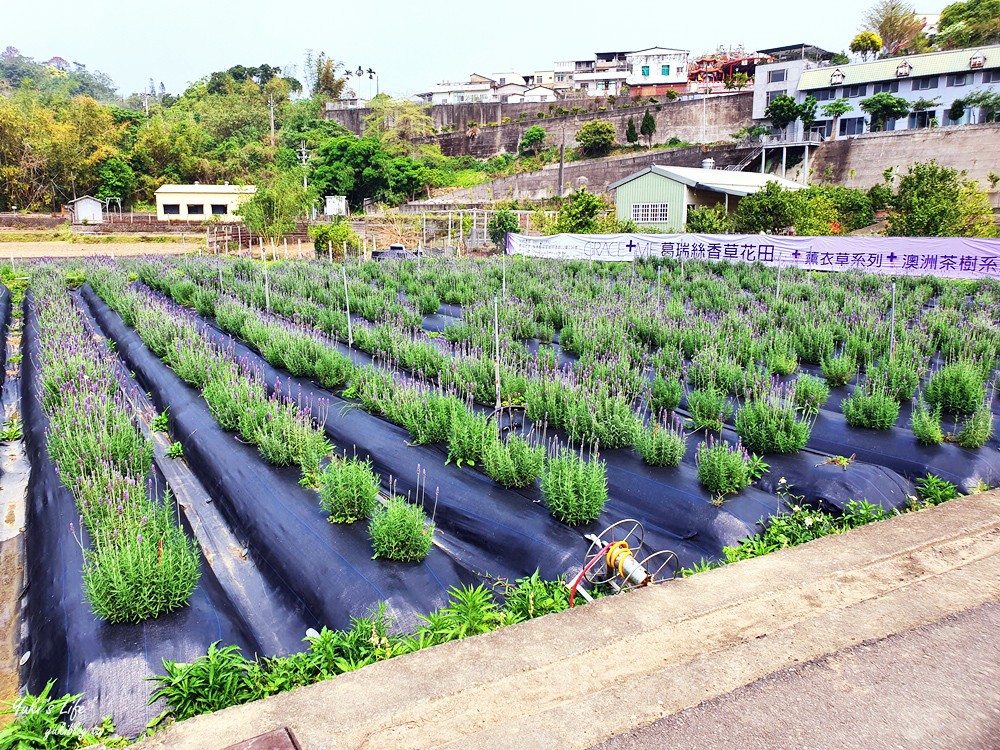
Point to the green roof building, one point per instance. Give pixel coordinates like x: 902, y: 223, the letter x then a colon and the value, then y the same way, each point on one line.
x: 659, y: 197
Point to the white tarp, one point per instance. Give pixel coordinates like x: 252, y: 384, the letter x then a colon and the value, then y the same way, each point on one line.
x: 949, y: 257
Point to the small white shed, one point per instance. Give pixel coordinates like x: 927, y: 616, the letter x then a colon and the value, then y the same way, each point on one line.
x: 87, y: 210
x: 336, y: 205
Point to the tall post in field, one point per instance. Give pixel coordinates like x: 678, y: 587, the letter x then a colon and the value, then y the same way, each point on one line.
x: 347, y: 304
x: 449, y: 234
x: 496, y: 345
x: 267, y: 287
x: 345, y: 252
x: 892, y: 324
x: 329, y: 249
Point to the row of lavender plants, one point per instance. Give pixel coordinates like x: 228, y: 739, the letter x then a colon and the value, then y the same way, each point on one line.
x: 775, y: 415
x: 729, y: 346
x: 138, y: 562
x: 281, y: 425
x: 574, y: 487
x: 435, y: 413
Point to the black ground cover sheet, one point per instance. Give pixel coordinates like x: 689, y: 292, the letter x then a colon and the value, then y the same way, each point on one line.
x: 63, y: 640
x: 474, y: 510
x: 328, y: 566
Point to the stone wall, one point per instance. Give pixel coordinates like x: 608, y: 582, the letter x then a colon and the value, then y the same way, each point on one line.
x: 690, y: 120
x: 859, y: 162
x: 595, y: 174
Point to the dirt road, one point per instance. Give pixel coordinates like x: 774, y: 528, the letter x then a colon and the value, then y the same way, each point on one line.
x: 88, y: 250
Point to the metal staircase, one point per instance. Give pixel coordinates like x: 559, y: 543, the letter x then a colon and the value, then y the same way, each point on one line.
x: 745, y: 161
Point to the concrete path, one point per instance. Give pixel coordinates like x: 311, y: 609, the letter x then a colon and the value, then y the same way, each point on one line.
x: 600, y: 672
x: 933, y: 687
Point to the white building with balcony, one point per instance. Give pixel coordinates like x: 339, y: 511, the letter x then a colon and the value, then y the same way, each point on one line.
x: 657, y: 70
x: 930, y: 83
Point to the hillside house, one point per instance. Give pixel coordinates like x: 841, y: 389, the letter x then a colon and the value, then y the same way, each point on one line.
x: 659, y: 197
x: 199, y: 202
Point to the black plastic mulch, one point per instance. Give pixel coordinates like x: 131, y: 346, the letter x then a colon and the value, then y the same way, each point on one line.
x: 64, y: 641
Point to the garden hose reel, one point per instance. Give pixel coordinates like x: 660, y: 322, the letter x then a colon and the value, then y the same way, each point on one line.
x: 616, y: 558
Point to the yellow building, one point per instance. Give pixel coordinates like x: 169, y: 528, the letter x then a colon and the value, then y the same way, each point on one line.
x: 199, y: 202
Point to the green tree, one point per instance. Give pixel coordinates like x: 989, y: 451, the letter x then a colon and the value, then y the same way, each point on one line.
x: 330, y: 238
x: 274, y: 209
x: 895, y: 22
x: 836, y: 109
x: 596, y: 138
x: 328, y: 83
x: 957, y: 110
x: 631, y: 134
x: 866, y: 43
x: 397, y: 123
x: 770, y: 209
x: 648, y: 128
x: 738, y: 81
x: 937, y: 201
x: 117, y: 179
x: 854, y: 207
x: 709, y: 220
x: 580, y: 213
x: 782, y: 111
x: 882, y: 107
x: 500, y: 224
x: 988, y: 101
x: 807, y: 112
x: 533, y: 140
x: 969, y: 24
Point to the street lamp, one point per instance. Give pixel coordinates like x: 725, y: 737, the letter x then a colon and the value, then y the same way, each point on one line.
x: 704, y: 111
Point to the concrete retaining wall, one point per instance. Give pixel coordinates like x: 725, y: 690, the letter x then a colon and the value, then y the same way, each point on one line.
x: 859, y: 162
x: 693, y: 121
x: 595, y: 174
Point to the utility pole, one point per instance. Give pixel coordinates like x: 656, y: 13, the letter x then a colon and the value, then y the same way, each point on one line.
x: 562, y: 160
x: 270, y: 106
x: 304, y: 158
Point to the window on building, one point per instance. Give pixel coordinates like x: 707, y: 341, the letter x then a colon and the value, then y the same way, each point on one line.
x: 645, y: 70
x: 772, y: 95
x: 960, y: 121
x: 220, y: 209
x: 887, y: 87
x: 823, y: 95
x: 824, y: 128
x: 650, y: 213
x: 171, y: 209
x: 991, y: 76
x: 957, y: 79
x: 195, y: 209
x: 776, y: 76
x: 921, y: 119
x: 852, y: 126
x: 852, y: 92
x: 665, y: 70
x: 503, y: 81
x: 922, y: 84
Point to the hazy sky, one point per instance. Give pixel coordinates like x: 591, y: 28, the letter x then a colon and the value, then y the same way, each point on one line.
x: 411, y: 45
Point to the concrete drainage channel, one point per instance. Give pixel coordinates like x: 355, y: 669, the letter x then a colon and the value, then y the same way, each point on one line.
x: 574, y: 677
x: 14, y: 469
